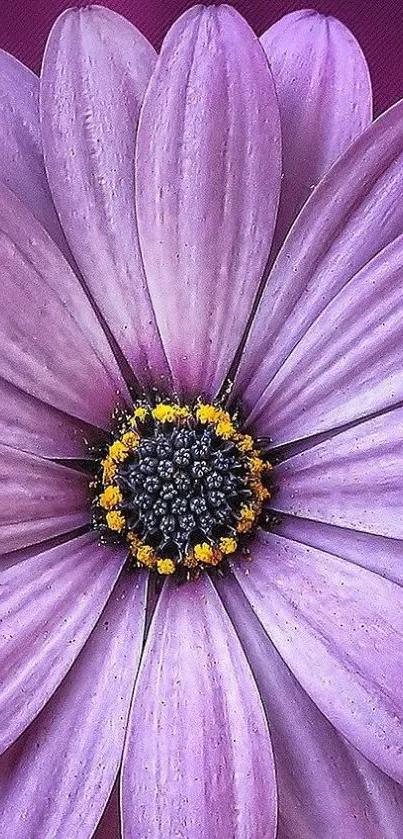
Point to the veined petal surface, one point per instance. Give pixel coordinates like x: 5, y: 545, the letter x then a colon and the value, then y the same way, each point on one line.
x: 380, y: 554
x: 207, y: 186
x: 21, y: 164
x: 353, y: 213
x: 64, y: 767
x: 322, y: 780
x: 39, y: 499
x: 352, y: 480
x: 51, y: 343
x: 348, y: 364
x: 49, y: 604
x: 324, y: 92
x: 28, y: 424
x: 339, y: 628
x: 198, y: 759
x: 95, y: 71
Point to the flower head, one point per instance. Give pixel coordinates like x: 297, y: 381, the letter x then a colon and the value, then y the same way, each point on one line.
x: 201, y: 257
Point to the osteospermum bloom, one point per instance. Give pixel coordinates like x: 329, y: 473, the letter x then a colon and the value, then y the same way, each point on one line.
x: 201, y: 435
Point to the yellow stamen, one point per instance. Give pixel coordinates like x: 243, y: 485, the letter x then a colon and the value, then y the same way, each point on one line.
x: 115, y: 520
x: 131, y: 439
x: 190, y: 560
x: 146, y: 555
x: 260, y: 491
x: 134, y: 542
x: 205, y: 553
x: 140, y: 414
x: 109, y: 470
x: 164, y: 412
x: 207, y: 413
x: 227, y: 545
x: 182, y: 412
x: 225, y: 429
x: 118, y: 451
x: 247, y: 519
x: 110, y: 497
x: 165, y: 566
x: 244, y: 442
x: 256, y: 465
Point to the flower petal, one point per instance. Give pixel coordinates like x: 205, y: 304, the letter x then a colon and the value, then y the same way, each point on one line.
x: 38, y: 499
x: 349, y: 362
x: 208, y: 176
x: 51, y: 343
x: 352, y: 480
x: 50, y: 604
x: 198, y: 759
x: 322, y: 780
x: 325, y: 100
x: 32, y: 426
x: 354, y: 212
x: 95, y: 71
x: 339, y: 628
x: 21, y: 163
x: 66, y: 763
x: 376, y: 553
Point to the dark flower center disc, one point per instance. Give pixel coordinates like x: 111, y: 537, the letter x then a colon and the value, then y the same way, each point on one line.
x: 179, y: 485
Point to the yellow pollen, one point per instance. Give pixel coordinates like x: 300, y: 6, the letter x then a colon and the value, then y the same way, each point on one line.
x: 259, y: 490
x: 165, y: 566
x: 109, y: 470
x: 182, y: 412
x: 140, y: 414
x: 146, y: 555
x: 228, y: 545
x: 118, y: 451
x: 205, y: 553
x: 256, y: 465
x: 110, y: 497
x: 115, y: 520
x: 207, y: 413
x: 164, y: 412
x: 131, y: 439
x: 225, y: 429
x: 245, y: 443
x: 134, y: 543
x: 247, y: 519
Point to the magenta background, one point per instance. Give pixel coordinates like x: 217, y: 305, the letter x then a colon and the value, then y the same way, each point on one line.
x: 377, y: 24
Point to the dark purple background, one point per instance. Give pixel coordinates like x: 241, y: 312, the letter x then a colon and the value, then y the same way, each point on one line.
x: 378, y: 25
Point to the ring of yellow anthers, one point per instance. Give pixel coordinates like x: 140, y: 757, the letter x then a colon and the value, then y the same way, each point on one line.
x: 111, y: 515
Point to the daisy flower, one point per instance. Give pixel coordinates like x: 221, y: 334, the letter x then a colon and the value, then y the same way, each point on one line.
x: 201, y: 432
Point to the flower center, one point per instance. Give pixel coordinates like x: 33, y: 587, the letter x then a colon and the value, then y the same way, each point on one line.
x: 181, y: 485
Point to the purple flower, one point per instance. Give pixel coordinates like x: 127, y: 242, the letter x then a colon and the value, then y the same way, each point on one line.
x: 141, y: 260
